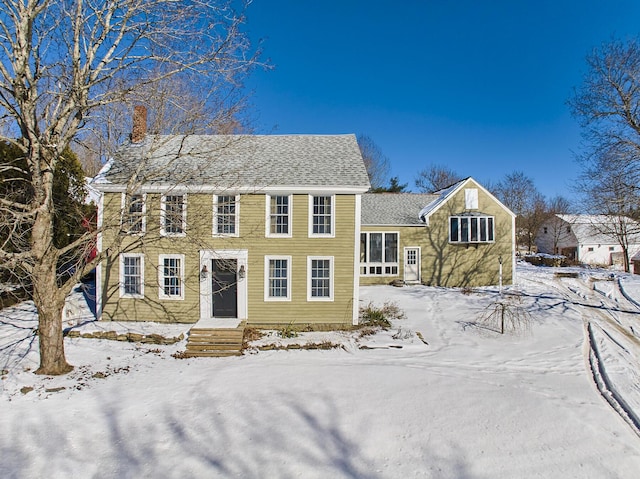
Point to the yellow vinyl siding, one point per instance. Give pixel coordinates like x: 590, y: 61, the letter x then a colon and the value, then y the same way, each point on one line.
x: 199, y: 236
x: 449, y: 264
x: 299, y: 311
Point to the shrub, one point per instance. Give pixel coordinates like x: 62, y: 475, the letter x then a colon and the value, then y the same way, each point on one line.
x: 288, y: 331
x: 374, y: 316
x: 506, y: 314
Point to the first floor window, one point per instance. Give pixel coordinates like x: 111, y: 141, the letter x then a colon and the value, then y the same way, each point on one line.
x: 173, y: 214
x: 471, y: 229
x: 320, y: 270
x: 131, y: 275
x: 225, y: 221
x: 171, y: 276
x: 278, y: 278
x: 379, y: 254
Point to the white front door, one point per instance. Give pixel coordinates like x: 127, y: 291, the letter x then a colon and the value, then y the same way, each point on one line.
x: 412, y: 264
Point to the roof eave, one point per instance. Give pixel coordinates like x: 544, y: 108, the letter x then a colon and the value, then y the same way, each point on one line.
x: 245, y: 189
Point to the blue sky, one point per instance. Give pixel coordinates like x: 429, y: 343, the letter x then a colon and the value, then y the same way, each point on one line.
x: 478, y: 86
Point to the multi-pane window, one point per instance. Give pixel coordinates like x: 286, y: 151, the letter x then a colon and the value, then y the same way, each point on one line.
x: 225, y: 220
x: 171, y: 276
x: 471, y: 229
x: 320, y: 278
x: 131, y: 275
x: 133, y: 217
x: 277, y: 278
x: 379, y: 254
x: 322, y: 215
x: 279, y: 215
x: 173, y: 214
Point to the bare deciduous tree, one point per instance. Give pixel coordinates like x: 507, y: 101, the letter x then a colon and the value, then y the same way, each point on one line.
x: 506, y: 315
x: 608, y: 188
x: 375, y: 161
x: 518, y: 193
x: 607, y: 105
x: 436, y: 177
x: 63, y: 63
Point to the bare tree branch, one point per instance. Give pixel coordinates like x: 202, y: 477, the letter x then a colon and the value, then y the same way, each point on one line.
x: 65, y: 66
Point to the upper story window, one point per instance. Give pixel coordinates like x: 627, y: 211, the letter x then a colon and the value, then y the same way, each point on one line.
x: 133, y: 213
x: 471, y: 229
x: 173, y: 215
x: 379, y: 254
x: 171, y: 276
x: 322, y: 216
x: 131, y: 275
x: 226, y: 215
x: 279, y: 215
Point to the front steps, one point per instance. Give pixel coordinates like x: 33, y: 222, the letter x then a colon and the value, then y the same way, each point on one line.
x: 215, y: 342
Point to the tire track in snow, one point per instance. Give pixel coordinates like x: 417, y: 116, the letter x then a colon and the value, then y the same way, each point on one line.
x: 604, y: 384
x: 604, y: 316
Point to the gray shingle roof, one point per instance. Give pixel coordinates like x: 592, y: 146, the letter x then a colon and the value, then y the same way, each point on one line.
x: 394, y: 208
x: 241, y: 161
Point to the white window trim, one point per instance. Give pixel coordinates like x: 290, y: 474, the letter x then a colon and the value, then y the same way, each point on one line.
x: 267, y: 288
x: 383, y: 263
x: 268, y: 233
x: 163, y: 215
x: 333, y: 218
x: 161, y: 293
x: 121, y: 275
x: 215, y: 217
x: 331, y: 278
x: 124, y: 208
x: 460, y: 229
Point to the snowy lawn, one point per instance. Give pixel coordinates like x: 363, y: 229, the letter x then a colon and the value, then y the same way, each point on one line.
x: 470, y: 403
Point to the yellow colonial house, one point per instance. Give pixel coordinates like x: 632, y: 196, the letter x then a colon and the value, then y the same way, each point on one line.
x: 257, y: 228
x: 277, y: 230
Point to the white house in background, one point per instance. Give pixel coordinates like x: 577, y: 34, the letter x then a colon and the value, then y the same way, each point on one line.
x: 589, y: 239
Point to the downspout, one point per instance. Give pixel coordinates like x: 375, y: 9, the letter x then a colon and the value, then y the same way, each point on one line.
x: 99, y: 250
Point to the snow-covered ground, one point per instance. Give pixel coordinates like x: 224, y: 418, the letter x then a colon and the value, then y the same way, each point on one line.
x: 558, y: 399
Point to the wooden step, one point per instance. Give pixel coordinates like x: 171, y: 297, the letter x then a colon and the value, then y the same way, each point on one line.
x: 232, y: 337
x: 213, y: 347
x: 211, y: 354
x: 215, y: 342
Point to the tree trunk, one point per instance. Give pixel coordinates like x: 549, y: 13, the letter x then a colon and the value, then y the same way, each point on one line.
x: 52, y: 358
x: 47, y: 296
x: 625, y: 258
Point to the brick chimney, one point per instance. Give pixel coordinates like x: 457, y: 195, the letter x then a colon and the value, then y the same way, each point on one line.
x: 139, y: 130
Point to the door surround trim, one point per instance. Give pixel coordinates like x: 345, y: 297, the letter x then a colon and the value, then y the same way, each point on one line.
x: 206, y: 293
